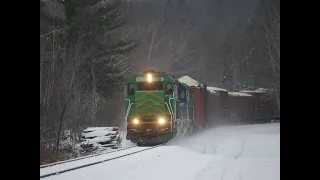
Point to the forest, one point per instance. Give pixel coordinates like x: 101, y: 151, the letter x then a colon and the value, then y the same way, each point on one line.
x: 89, y: 47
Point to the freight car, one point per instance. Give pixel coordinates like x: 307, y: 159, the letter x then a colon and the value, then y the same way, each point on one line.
x: 213, y: 107
x: 241, y: 107
x: 221, y: 107
x: 263, y: 104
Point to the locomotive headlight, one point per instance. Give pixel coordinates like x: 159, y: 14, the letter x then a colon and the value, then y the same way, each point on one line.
x: 161, y: 120
x: 149, y: 78
x: 135, y: 121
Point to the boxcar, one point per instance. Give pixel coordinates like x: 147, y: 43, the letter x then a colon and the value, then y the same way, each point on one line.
x: 204, y: 93
x: 241, y: 107
x: 221, y: 102
x: 198, y: 107
x: 263, y: 104
x: 213, y: 107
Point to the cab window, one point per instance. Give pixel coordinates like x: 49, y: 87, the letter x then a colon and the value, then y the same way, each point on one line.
x: 188, y: 95
x: 176, y: 92
x: 169, y: 89
x: 154, y: 86
x: 131, y: 89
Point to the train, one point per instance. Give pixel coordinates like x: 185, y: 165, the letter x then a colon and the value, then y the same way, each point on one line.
x: 159, y: 107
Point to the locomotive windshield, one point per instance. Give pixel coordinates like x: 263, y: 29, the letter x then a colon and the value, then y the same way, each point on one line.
x: 146, y: 86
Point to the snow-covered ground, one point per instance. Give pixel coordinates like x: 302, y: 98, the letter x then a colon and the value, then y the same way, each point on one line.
x: 80, y: 162
x: 246, y: 152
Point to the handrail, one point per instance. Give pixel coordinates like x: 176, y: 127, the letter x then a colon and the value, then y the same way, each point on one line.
x: 171, y: 108
x: 128, y: 110
x: 170, y: 115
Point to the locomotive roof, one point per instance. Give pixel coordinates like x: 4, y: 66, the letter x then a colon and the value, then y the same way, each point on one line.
x: 239, y: 94
x: 188, y: 81
x: 165, y: 75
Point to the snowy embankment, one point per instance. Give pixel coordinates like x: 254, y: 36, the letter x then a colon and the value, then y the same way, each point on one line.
x: 103, y: 139
x: 247, y: 152
x: 124, y: 144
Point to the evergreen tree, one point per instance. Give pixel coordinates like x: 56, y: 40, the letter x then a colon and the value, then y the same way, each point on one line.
x: 81, y: 38
x: 94, y: 22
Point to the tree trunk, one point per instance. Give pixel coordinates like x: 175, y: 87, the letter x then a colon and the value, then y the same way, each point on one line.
x: 94, y: 108
x: 60, y: 125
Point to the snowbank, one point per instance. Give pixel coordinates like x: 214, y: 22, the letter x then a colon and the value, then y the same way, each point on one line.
x: 90, y: 129
x: 102, y: 132
x: 97, y: 140
x: 100, y: 136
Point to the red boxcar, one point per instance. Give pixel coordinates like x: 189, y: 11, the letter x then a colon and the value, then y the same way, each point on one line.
x: 201, y: 107
x: 208, y: 107
x: 221, y: 104
x: 213, y: 107
x: 263, y: 103
x: 216, y: 105
x: 241, y: 106
x: 198, y: 107
x: 205, y: 101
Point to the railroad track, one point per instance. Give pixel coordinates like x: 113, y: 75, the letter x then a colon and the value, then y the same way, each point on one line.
x: 89, y: 161
x: 265, y: 121
x: 84, y: 157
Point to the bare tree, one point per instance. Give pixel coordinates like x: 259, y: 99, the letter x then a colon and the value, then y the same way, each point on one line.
x: 270, y: 48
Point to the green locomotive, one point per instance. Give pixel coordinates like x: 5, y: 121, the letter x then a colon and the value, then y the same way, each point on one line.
x: 157, y: 107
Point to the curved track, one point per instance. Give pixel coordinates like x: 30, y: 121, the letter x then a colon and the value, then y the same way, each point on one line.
x: 84, y: 157
x: 89, y: 161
